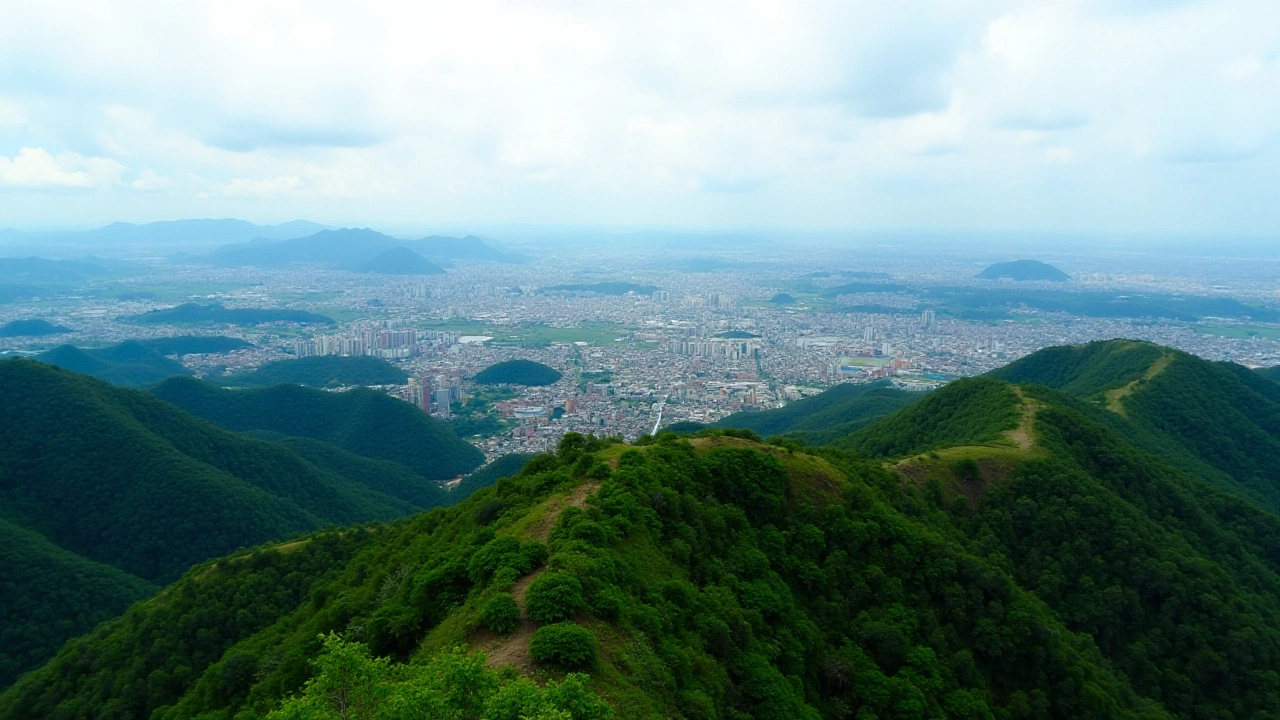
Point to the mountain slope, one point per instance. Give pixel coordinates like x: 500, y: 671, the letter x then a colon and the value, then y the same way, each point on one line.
x: 129, y: 363
x: 824, y: 417
x: 1217, y: 420
x: 399, y: 261
x: 762, y: 584
x: 994, y: 550
x: 361, y: 421
x: 48, y: 595
x: 122, y: 490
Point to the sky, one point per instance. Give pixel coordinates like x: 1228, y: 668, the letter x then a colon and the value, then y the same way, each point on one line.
x: 1091, y: 116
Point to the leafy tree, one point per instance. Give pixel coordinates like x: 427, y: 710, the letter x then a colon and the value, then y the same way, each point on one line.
x: 564, y: 644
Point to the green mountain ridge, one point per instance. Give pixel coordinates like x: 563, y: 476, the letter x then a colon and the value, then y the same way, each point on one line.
x: 137, y: 487
x: 826, y: 417
x: 129, y: 363
x: 991, y: 550
x: 361, y: 421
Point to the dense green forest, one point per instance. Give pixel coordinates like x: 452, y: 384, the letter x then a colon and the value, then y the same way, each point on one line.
x: 827, y: 416
x: 1083, y: 544
x: 712, y: 578
x: 361, y: 421
x: 123, y: 490
x: 216, y: 313
x: 322, y: 371
x: 1270, y: 373
x: 35, y: 327
x: 129, y: 363
x: 518, y: 372
x: 1217, y: 420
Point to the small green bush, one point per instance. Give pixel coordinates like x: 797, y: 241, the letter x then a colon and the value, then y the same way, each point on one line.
x: 568, y: 645
x: 501, y: 613
x: 535, y: 553
x: 553, y: 597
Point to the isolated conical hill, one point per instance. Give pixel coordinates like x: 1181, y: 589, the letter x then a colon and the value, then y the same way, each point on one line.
x: 399, y: 261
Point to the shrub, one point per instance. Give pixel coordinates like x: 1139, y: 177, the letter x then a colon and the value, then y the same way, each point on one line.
x: 502, y: 551
x: 501, y: 613
x: 567, y: 644
x: 535, y: 553
x: 553, y: 597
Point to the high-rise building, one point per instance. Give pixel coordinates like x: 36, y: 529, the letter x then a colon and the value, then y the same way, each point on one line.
x: 443, y: 399
x: 928, y: 321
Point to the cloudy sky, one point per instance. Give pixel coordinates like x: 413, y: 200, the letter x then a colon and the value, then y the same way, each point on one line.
x: 1088, y: 115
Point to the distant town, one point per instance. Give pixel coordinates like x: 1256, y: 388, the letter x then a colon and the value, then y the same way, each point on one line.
x: 645, y: 340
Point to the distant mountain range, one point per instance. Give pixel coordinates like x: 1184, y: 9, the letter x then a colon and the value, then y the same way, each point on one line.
x: 1023, y: 270
x: 172, y: 233
x: 349, y: 248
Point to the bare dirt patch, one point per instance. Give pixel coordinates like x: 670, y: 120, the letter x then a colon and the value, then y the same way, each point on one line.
x: 1114, y: 397
x: 513, y: 649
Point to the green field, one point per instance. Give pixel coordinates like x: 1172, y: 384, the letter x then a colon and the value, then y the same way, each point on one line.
x: 1241, y: 332
x: 599, y: 334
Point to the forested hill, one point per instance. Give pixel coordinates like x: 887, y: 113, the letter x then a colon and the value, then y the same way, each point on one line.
x: 827, y: 416
x: 993, y: 550
x: 112, y: 489
x: 1218, y: 420
x: 996, y: 551
x: 518, y: 372
x: 362, y: 421
x: 129, y: 363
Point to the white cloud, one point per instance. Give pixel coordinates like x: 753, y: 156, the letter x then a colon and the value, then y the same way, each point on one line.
x: 36, y: 168
x: 668, y: 112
